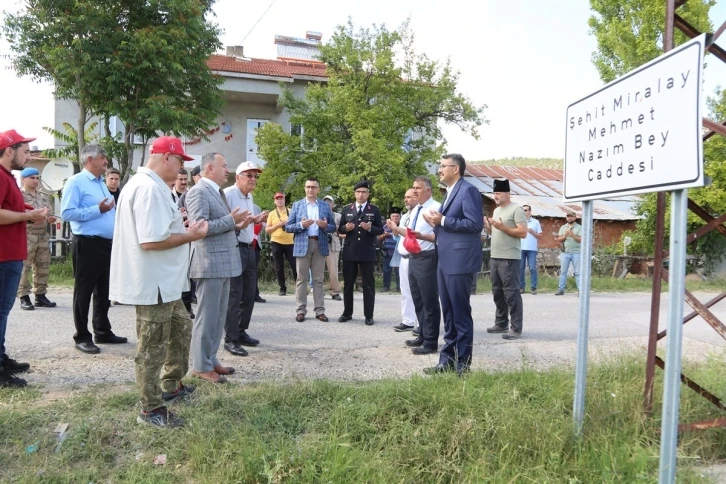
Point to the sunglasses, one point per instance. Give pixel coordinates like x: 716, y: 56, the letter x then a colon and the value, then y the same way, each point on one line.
x: 249, y: 175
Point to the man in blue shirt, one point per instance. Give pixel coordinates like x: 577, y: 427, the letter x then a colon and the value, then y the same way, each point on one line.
x: 90, y: 208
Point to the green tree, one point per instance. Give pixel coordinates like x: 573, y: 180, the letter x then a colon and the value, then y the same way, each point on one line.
x: 377, y: 118
x: 629, y: 34
x: 60, y: 41
x: 144, y: 62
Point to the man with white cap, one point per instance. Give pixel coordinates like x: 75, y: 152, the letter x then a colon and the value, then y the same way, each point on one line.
x: 14, y: 214
x: 38, y: 260
x: 242, y: 289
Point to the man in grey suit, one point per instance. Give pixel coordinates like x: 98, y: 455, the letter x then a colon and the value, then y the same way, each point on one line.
x: 214, y: 260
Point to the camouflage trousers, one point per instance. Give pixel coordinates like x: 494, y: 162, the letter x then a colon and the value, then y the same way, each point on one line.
x: 164, y: 333
x: 39, y: 261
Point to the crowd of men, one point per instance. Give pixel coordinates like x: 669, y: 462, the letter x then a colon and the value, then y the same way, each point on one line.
x: 161, y: 247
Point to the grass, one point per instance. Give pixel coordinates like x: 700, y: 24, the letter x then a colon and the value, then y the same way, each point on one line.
x: 502, y: 427
x: 61, y: 274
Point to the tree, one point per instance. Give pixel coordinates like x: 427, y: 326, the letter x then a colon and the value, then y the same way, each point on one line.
x: 144, y: 62
x: 630, y: 34
x: 60, y: 41
x: 158, y: 79
x: 377, y: 118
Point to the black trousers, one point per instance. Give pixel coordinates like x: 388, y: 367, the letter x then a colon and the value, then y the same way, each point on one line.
x: 281, y: 252
x: 425, y: 295
x: 505, y: 289
x: 350, y: 271
x: 241, y: 296
x: 91, y: 258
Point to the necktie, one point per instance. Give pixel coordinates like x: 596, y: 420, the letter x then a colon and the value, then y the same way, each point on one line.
x: 413, y: 225
x: 360, y: 210
x: 443, y: 202
x: 224, y: 199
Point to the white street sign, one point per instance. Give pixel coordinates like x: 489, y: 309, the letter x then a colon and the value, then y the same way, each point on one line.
x: 640, y: 133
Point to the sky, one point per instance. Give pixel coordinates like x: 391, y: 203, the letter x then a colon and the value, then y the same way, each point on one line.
x: 526, y: 60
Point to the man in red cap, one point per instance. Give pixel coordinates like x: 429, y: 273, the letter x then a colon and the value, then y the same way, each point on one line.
x: 149, y: 269
x: 90, y: 208
x: 14, y: 153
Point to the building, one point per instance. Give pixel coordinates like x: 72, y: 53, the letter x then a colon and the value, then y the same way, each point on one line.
x: 251, y: 89
x: 542, y: 189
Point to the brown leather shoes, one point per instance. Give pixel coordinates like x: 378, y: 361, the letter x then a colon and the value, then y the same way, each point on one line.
x: 321, y: 317
x: 300, y: 317
x: 223, y: 370
x: 212, y: 376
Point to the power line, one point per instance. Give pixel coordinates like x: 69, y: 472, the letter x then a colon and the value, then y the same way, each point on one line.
x: 258, y: 21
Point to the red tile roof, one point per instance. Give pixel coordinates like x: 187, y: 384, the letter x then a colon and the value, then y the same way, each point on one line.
x: 267, y: 67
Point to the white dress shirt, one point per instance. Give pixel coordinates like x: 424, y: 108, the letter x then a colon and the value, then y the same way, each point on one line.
x: 422, y: 226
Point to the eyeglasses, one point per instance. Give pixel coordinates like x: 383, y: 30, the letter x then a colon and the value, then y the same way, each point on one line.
x: 310, y: 187
x: 526, y: 209
x: 446, y: 166
x: 361, y: 191
x: 252, y: 175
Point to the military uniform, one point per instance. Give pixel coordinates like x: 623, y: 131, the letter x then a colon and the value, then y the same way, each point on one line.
x: 359, y: 252
x: 38, y: 247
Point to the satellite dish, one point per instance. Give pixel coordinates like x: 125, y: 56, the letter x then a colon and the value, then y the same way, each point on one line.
x: 56, y: 172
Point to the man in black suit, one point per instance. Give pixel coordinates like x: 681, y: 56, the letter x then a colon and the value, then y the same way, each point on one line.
x: 361, y: 223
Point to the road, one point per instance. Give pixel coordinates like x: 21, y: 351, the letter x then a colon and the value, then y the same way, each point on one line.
x: 353, y: 351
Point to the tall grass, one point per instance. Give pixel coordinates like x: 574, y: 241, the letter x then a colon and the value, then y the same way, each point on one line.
x: 485, y: 427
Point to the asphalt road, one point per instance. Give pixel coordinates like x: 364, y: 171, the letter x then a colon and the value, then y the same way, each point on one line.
x: 353, y: 351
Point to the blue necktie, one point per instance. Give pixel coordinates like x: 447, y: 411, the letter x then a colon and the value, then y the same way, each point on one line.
x: 413, y: 225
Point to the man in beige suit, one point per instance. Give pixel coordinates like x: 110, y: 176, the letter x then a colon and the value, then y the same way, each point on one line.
x: 214, y: 260
x: 332, y: 261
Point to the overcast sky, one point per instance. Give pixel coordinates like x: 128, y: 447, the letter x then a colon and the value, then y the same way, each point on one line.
x: 527, y: 60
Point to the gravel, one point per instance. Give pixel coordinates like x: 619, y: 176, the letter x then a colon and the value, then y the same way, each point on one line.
x: 353, y: 351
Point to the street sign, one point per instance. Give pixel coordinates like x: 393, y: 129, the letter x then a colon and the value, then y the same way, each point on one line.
x: 640, y: 133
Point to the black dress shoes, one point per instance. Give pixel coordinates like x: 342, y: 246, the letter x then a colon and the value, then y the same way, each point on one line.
x: 440, y: 368
x: 235, y: 349
x: 418, y: 341
x: 9, y: 365
x: 247, y: 340
x: 259, y: 299
x: 110, y: 339
x: 369, y: 322
x: 423, y: 350
x: 336, y: 297
x: 283, y: 292
x: 43, y: 302
x: 25, y: 303
x: 88, y: 347
x: 344, y: 318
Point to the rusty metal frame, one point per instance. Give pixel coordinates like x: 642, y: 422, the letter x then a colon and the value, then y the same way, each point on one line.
x: 711, y: 223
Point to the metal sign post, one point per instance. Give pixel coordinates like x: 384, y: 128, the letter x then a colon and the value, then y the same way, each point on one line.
x: 578, y: 410
x: 676, y: 292
x: 639, y: 134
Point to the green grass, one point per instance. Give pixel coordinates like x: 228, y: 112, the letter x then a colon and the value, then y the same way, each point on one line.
x: 61, y: 274
x: 501, y: 427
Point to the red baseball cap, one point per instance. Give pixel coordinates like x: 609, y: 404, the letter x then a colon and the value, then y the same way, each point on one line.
x: 279, y: 195
x: 12, y: 137
x: 169, y: 144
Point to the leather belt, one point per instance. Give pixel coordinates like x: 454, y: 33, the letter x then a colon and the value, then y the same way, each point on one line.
x: 405, y: 256
x: 424, y: 253
x: 314, y: 237
x: 244, y: 244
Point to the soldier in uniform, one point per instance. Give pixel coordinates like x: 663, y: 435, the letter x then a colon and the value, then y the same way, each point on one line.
x: 38, y: 246
x: 361, y: 223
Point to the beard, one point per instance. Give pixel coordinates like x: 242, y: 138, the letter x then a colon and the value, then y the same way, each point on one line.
x: 15, y: 164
